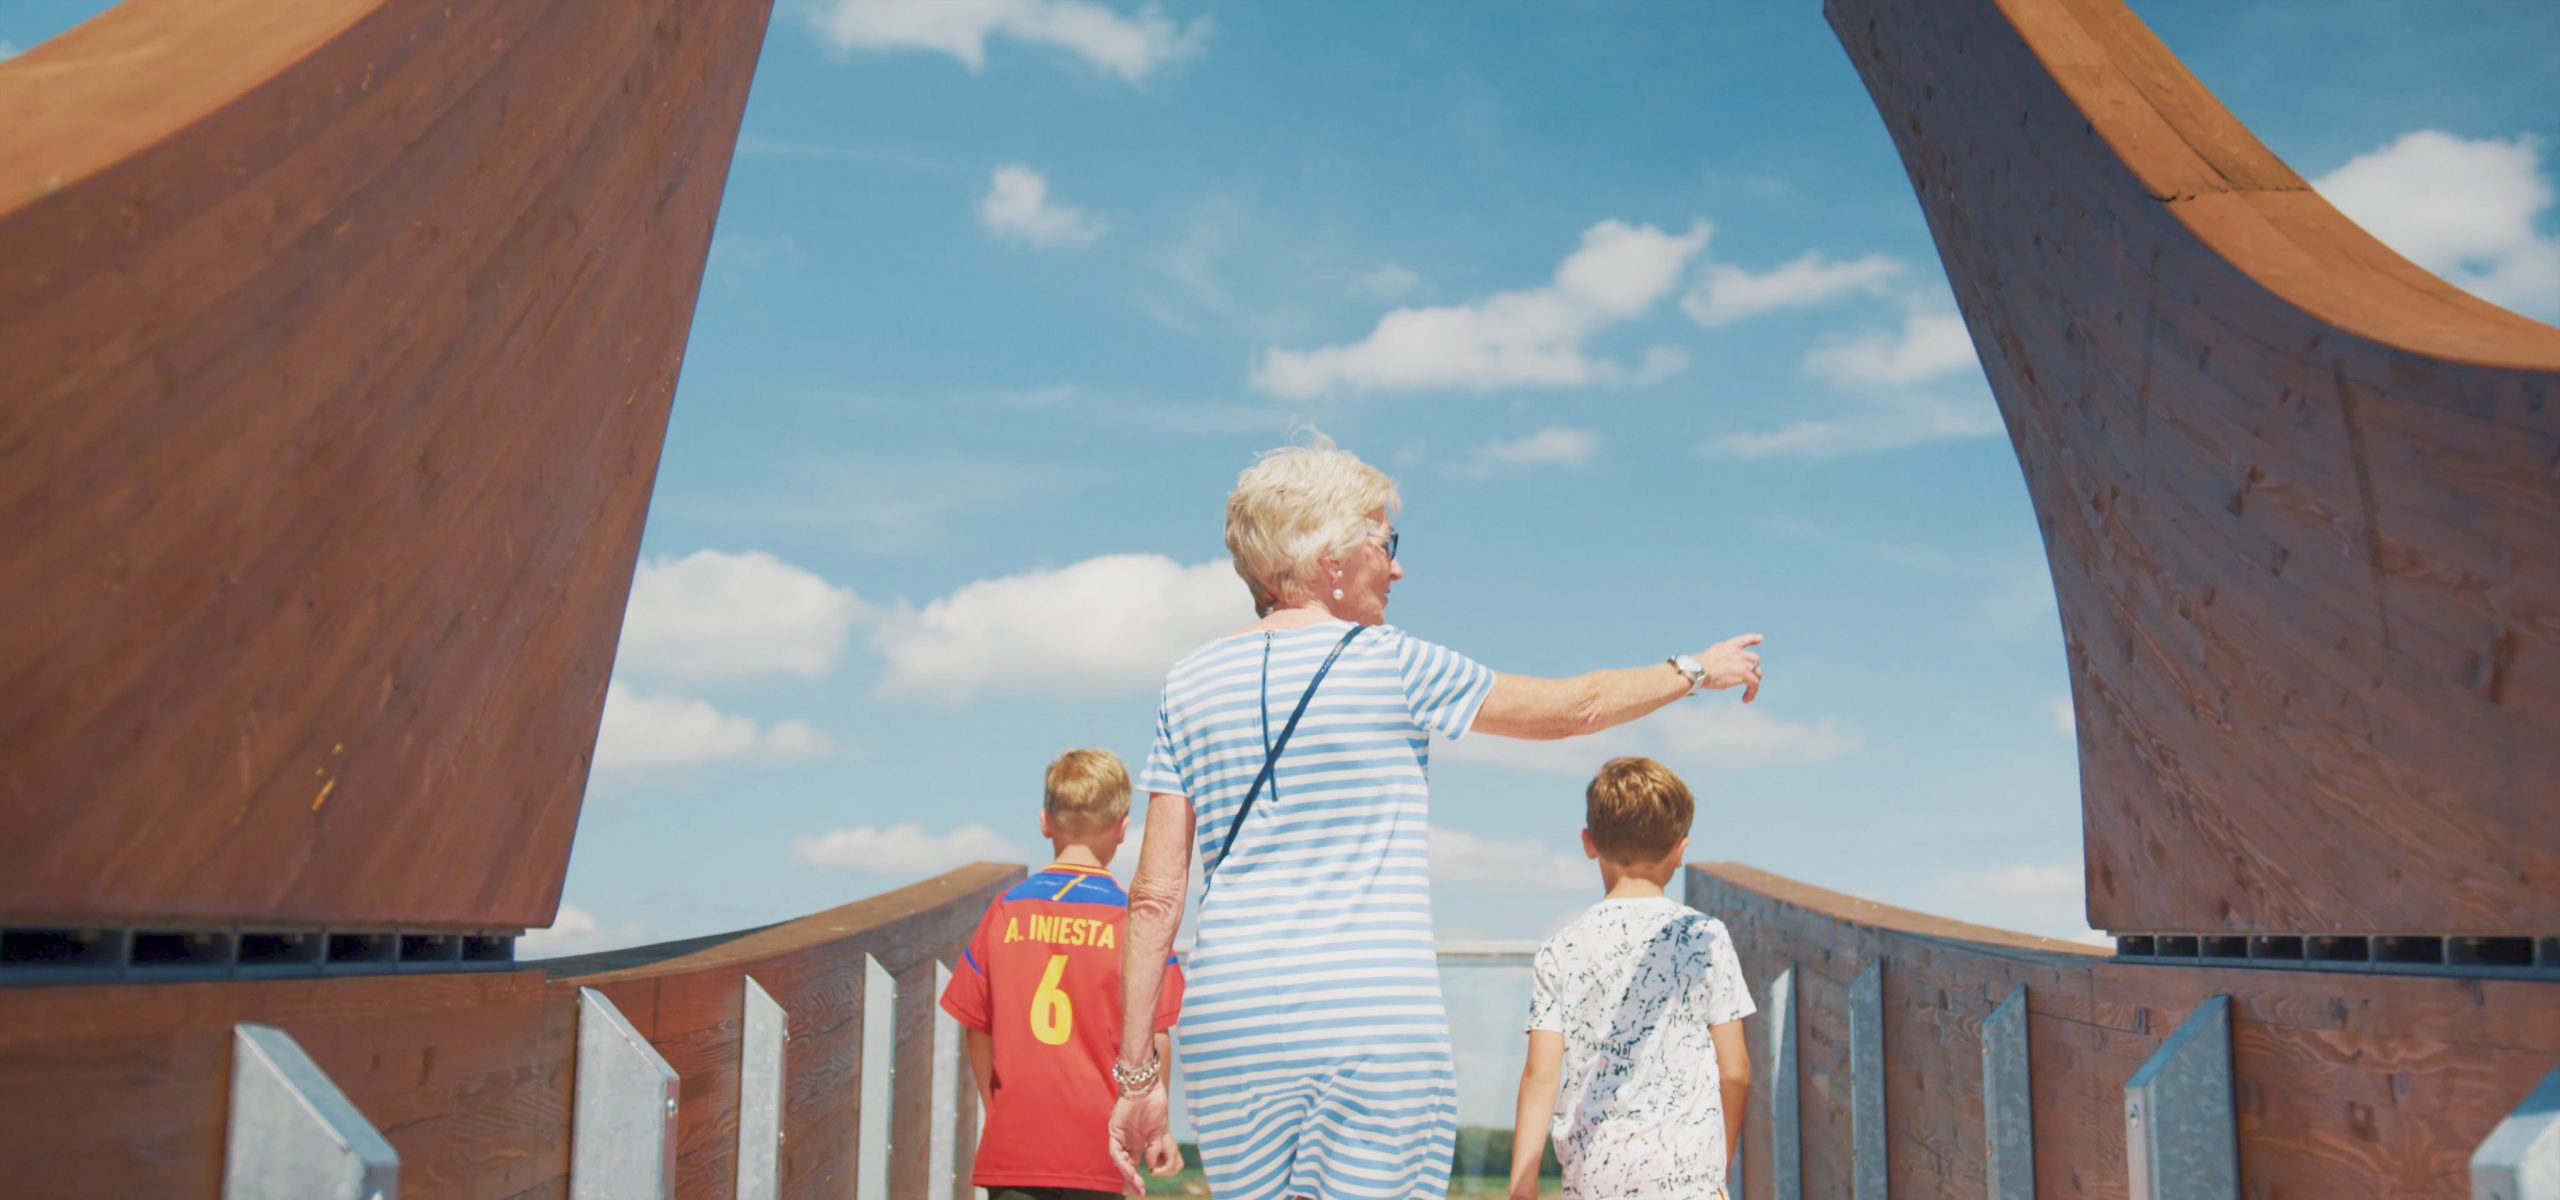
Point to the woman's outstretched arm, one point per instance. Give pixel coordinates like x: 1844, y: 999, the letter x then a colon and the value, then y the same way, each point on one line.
x: 1156, y: 895
x: 1524, y: 706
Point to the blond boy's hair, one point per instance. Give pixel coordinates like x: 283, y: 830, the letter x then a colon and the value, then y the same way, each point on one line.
x: 1085, y: 791
x: 1636, y: 810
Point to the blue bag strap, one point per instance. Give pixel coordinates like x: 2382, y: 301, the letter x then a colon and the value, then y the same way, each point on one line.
x: 1271, y: 761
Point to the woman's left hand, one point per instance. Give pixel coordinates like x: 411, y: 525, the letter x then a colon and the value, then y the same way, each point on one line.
x: 1166, y: 1158
x: 1137, y: 1123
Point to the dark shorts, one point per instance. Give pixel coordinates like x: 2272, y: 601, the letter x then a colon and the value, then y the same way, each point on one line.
x: 1046, y: 1193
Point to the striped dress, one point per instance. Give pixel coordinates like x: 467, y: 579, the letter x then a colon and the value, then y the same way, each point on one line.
x: 1314, y: 1046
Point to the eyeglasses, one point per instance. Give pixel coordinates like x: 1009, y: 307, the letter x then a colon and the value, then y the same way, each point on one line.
x: 1388, y: 544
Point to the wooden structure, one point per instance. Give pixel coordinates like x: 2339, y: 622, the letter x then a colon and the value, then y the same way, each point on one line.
x: 340, y: 336
x: 2347, y: 1084
x: 2299, y: 503
x: 118, y: 1090
x: 2297, y: 493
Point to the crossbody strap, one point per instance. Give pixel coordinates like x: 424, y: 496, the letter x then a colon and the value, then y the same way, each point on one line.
x: 1271, y: 761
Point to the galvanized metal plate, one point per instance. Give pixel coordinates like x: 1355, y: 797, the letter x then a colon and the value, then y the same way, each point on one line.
x: 2178, y: 1135
x: 1786, y: 1130
x: 879, y: 1050
x: 622, y: 1138
x: 950, y: 1075
x: 2008, y: 1111
x: 2520, y: 1159
x: 293, y: 1135
x: 1866, y: 1083
x: 762, y: 1028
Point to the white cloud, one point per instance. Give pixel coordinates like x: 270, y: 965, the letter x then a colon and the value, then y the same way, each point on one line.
x: 576, y: 931
x: 1736, y: 735
x: 903, y: 849
x: 1390, y: 281
x: 1550, y: 447
x: 1129, y: 47
x: 1930, y: 345
x: 714, y: 615
x: 8, y: 50
x: 2044, y: 899
x: 641, y: 730
x: 2463, y: 208
x: 1461, y: 857
x: 1105, y: 624
x: 1659, y: 363
x: 1714, y: 735
x: 1884, y: 424
x: 1531, y: 337
x: 1017, y: 208
x: 1726, y: 294
x: 2029, y: 880
x: 2066, y: 720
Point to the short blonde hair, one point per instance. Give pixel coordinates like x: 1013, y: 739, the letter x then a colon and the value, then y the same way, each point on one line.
x: 1295, y: 505
x: 1636, y: 810
x: 1085, y: 790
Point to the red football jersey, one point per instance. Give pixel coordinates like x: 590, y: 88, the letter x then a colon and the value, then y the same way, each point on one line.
x: 1042, y: 977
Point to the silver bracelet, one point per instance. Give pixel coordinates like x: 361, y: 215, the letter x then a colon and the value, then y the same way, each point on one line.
x: 1136, y: 1080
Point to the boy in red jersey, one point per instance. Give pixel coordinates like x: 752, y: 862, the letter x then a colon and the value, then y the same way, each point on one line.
x: 1038, y: 990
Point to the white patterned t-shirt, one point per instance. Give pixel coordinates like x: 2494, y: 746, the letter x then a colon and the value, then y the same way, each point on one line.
x: 1634, y: 986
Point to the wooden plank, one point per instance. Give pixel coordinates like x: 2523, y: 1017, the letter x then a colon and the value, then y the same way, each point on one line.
x: 364, y: 377
x: 118, y: 1090
x: 2281, y: 475
x: 2344, y: 1083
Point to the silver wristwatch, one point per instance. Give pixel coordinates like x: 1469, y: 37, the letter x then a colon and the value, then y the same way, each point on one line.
x: 1689, y: 666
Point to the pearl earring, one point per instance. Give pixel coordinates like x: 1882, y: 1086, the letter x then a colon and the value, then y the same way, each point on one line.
x: 1337, y: 593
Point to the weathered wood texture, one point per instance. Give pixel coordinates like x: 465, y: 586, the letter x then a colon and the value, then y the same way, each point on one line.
x: 120, y: 1091
x: 2347, y: 1085
x: 336, y: 345
x: 2298, y: 495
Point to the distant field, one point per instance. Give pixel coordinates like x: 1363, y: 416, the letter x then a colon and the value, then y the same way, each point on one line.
x: 1478, y: 1148
x: 1464, y: 1187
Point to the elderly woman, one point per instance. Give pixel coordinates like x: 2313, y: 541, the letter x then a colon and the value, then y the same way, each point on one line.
x: 1315, y: 1047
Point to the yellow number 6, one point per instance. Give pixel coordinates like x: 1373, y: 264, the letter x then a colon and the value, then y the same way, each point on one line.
x: 1053, y: 1017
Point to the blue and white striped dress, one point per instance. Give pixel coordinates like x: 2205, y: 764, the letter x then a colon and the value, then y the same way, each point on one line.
x: 1314, y: 1046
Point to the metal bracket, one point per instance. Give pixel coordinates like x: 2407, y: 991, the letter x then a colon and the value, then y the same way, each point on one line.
x: 762, y: 1028
x: 622, y: 1140
x: 2008, y: 1108
x: 293, y: 1135
x: 1866, y: 1084
x: 2178, y: 1114
x: 1786, y: 1130
x: 2520, y: 1159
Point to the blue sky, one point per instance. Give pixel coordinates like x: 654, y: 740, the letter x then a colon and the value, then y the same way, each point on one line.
x: 1632, y: 298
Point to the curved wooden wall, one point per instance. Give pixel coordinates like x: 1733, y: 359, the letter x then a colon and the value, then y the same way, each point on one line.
x: 339, y: 339
x: 121, y: 1090
x: 2346, y: 1085
x: 2299, y: 496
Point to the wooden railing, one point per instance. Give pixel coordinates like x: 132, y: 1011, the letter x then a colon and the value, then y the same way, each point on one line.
x: 120, y: 1090
x: 2342, y: 1084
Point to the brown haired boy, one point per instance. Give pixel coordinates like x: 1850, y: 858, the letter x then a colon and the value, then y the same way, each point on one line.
x: 1038, y: 990
x: 1636, y: 1007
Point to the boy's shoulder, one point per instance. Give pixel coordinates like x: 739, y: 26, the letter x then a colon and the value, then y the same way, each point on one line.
x: 1608, y: 926
x: 1060, y: 886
